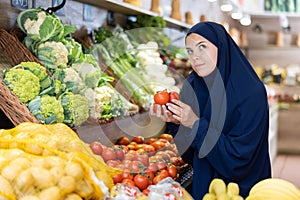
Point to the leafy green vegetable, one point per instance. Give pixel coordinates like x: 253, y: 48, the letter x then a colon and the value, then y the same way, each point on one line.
x: 76, y: 109
x: 74, y: 49
x: 23, y: 83
x: 47, y: 109
x: 147, y: 21
x: 102, y: 33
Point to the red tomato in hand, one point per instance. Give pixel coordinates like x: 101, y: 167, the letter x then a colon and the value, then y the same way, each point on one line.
x: 96, y: 147
x: 173, y: 95
x: 161, y: 97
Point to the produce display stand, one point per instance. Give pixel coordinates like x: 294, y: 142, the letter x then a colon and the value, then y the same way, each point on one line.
x: 13, y: 52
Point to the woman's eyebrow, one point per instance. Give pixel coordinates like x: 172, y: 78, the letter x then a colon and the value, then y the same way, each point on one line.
x: 200, y: 43
x: 197, y: 44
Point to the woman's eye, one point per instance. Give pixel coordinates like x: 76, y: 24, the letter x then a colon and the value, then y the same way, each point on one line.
x: 189, y: 51
x: 202, y: 46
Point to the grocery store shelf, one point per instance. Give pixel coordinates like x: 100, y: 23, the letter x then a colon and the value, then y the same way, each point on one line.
x: 128, y: 9
x: 275, y: 48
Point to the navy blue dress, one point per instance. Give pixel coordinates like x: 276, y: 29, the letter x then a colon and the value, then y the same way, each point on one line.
x: 230, y: 140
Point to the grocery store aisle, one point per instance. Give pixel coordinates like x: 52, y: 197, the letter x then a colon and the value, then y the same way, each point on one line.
x: 286, y: 166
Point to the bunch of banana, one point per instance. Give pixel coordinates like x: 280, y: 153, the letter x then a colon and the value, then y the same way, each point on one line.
x: 219, y: 191
x: 274, y: 189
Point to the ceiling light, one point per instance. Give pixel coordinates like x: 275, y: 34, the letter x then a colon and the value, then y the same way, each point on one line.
x: 246, y: 20
x: 236, y: 14
x: 226, y: 6
x: 211, y: 0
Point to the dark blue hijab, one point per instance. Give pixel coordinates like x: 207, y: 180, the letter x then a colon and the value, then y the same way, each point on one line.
x: 230, y: 140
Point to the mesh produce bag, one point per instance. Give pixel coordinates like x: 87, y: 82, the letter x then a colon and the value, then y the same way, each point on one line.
x: 41, y: 143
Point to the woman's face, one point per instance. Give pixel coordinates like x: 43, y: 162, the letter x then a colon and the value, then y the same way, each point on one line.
x: 202, y: 54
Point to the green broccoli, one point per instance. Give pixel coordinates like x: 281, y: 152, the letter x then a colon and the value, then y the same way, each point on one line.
x: 76, y: 109
x: 47, y: 109
x: 23, y: 83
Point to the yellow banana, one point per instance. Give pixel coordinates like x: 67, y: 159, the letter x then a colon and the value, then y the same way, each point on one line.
x: 237, y: 197
x: 276, y: 185
x: 217, y: 186
x: 269, y: 196
x: 274, y: 193
x: 209, y: 196
x: 223, y: 196
x: 260, y: 197
x: 233, y: 189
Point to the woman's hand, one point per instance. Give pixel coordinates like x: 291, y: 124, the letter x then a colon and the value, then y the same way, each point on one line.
x: 182, y: 113
x: 163, y: 113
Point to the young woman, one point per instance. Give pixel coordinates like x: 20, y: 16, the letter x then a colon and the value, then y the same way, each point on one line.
x: 221, y: 121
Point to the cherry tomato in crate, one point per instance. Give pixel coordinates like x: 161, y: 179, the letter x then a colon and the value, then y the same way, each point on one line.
x: 96, y: 147
x: 141, y: 181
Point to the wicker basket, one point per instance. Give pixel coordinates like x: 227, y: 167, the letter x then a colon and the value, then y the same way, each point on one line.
x: 15, y: 53
x: 14, y: 49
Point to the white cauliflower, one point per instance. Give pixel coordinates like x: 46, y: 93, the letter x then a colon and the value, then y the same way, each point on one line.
x: 99, y: 99
x: 33, y: 26
x: 94, y: 109
x: 104, y: 94
x: 72, y: 76
x: 53, y: 54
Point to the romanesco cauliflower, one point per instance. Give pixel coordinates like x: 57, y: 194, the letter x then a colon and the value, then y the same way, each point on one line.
x: 76, y: 109
x: 40, y: 71
x: 47, y: 109
x: 23, y: 83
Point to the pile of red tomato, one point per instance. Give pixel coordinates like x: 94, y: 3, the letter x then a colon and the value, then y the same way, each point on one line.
x: 143, y: 161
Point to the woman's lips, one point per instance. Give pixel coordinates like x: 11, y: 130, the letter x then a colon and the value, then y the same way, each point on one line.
x: 199, y: 65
